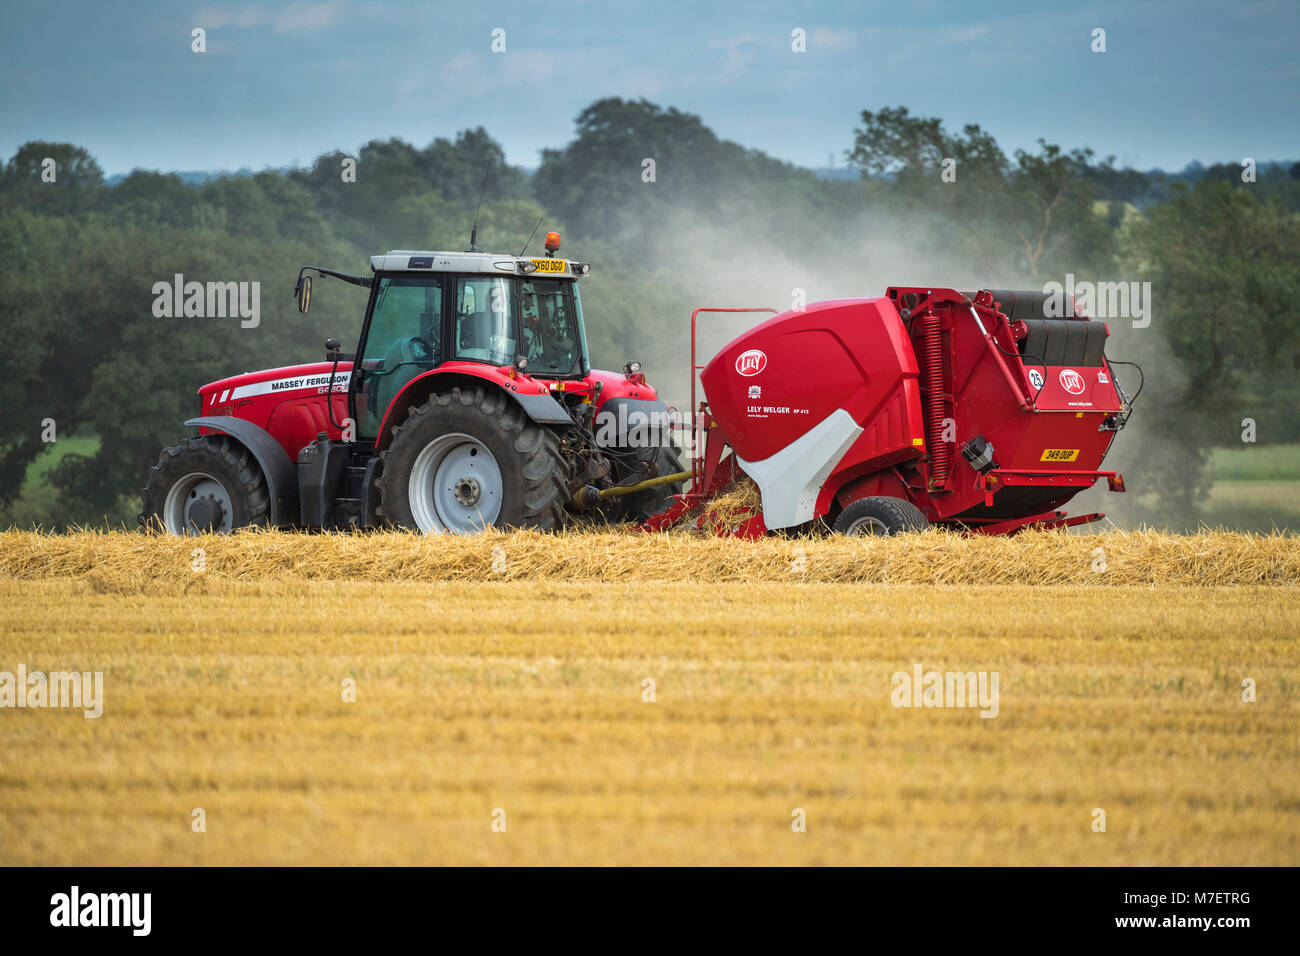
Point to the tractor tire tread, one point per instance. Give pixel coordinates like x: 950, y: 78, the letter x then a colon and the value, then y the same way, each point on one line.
x: 251, y: 483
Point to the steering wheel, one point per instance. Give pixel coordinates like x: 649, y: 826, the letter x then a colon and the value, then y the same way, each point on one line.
x: 420, y: 349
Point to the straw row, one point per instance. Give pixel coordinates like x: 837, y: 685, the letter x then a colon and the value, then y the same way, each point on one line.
x: 1031, y: 559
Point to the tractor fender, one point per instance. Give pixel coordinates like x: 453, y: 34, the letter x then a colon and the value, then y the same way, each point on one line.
x: 281, y: 474
x: 538, y: 406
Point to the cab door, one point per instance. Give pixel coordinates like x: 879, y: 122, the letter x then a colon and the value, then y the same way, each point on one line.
x: 403, y: 338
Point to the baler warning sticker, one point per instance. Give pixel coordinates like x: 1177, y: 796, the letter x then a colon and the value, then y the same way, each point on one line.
x: 1059, y: 454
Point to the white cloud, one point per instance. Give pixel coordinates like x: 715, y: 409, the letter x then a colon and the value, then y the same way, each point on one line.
x: 469, y: 73
x: 738, y: 53
x: 528, y: 66
x: 960, y: 35
x: 296, y: 16
x: 834, y: 41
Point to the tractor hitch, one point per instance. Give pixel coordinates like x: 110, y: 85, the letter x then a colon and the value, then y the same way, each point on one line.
x: 589, y: 496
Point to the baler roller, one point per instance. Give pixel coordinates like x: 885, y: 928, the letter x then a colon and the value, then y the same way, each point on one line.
x: 931, y: 368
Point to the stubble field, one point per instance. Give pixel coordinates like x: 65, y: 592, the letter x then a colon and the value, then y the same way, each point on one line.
x: 502, y: 679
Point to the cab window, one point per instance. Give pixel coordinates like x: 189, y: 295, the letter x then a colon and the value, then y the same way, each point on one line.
x: 485, y: 328
x: 404, y: 339
x: 552, y: 326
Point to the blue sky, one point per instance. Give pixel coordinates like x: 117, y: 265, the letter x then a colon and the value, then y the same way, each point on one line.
x: 284, y: 82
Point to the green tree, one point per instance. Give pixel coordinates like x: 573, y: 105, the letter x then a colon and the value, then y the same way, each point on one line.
x: 603, y: 184
x: 78, y: 180
x: 1050, y: 205
x: 146, y: 198
x: 1225, y: 289
x: 1032, y: 217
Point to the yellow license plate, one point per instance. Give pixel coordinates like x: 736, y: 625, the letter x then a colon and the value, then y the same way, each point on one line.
x: 1059, y: 454
x: 549, y: 265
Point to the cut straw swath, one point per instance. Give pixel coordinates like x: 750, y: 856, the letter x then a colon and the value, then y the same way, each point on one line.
x: 134, y: 561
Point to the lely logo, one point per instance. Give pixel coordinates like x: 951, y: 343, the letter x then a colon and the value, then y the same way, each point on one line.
x: 751, y: 362
x: 1071, y: 381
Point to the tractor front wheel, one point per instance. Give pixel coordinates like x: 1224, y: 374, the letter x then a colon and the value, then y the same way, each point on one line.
x: 469, y: 459
x: 880, y: 515
x: 210, y: 484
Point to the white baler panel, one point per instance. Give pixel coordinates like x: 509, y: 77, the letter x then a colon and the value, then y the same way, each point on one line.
x: 790, y: 480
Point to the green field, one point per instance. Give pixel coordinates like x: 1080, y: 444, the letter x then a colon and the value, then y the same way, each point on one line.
x: 37, y: 504
x: 1255, y: 487
x: 1256, y: 463
x: 48, y: 460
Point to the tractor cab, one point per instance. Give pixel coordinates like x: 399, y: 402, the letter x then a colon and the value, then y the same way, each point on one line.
x: 444, y: 310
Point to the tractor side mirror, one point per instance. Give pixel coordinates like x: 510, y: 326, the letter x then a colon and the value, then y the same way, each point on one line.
x: 304, y: 294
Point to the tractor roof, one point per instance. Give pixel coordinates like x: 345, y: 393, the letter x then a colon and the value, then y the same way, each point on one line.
x: 408, y: 260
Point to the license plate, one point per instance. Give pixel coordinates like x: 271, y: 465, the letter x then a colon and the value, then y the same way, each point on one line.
x: 549, y: 265
x: 1059, y: 454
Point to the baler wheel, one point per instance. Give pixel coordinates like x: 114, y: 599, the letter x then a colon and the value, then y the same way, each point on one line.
x: 471, y: 458
x: 880, y: 515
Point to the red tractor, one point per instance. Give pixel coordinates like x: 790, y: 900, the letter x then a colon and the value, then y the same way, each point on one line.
x: 469, y: 403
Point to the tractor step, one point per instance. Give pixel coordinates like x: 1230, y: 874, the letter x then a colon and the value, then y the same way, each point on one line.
x: 347, y: 513
x: 331, y: 487
x: 354, y: 480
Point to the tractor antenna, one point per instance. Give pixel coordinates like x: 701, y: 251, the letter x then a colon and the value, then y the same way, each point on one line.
x: 473, y: 233
x: 530, y: 236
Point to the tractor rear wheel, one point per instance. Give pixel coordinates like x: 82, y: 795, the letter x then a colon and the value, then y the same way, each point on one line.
x: 209, y: 484
x: 469, y: 459
x: 880, y: 515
